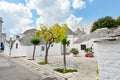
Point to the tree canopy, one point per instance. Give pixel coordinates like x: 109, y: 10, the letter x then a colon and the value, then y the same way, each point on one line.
x: 106, y: 22
x: 54, y: 33
x: 118, y: 21
x: 35, y: 40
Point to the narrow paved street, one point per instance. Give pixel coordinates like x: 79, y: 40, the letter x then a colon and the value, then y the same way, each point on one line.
x: 12, y: 71
x: 11, y: 68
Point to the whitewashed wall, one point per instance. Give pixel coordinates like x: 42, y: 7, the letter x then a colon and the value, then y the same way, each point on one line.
x: 55, y: 50
x: 7, y: 48
x: 72, y: 38
x: 20, y: 51
x: 0, y: 25
x: 108, y: 59
x: 88, y: 45
x: 29, y: 50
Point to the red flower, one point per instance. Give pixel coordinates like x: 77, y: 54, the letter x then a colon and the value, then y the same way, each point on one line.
x: 88, y: 55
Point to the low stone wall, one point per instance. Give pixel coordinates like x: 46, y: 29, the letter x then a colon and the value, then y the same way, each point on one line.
x: 108, y: 59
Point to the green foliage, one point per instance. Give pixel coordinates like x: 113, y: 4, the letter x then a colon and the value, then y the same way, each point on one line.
x: 35, y: 40
x: 67, y: 71
x: 97, y: 71
x: 106, y: 22
x: 74, y: 51
x: 88, y: 50
x: 64, y: 41
x: 54, y: 33
x: 118, y: 21
x: 43, y: 63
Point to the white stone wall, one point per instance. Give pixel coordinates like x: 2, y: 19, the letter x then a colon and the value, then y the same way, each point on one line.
x: 55, y: 50
x: 0, y: 25
x: 88, y: 45
x: 28, y: 50
x: 108, y: 59
x: 7, y: 48
x: 20, y: 51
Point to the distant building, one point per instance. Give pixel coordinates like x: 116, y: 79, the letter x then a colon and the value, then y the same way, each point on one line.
x: 2, y: 36
x: 87, y: 27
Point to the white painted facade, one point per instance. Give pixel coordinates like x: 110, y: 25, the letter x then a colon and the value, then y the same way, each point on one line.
x: 72, y: 38
x: 1, y: 25
x: 22, y: 50
x: 2, y: 35
x: 88, y: 44
x: 108, y: 59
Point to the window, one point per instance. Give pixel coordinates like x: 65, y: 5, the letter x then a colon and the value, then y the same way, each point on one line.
x: 16, y: 45
x: 42, y: 48
x: 52, y: 45
x: 83, y: 47
x: 2, y: 46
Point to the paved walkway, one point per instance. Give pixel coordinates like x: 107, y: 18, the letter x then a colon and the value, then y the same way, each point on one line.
x: 10, y: 70
x: 86, y: 67
x: 44, y: 73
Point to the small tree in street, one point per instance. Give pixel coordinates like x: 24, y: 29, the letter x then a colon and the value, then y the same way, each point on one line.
x: 35, y: 41
x: 64, y: 42
x: 53, y: 34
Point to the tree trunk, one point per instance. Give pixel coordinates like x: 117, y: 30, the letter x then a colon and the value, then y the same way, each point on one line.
x: 46, y: 55
x: 64, y: 57
x: 34, y: 52
x: 46, y: 52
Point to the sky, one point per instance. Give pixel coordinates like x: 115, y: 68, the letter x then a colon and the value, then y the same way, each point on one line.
x: 20, y: 15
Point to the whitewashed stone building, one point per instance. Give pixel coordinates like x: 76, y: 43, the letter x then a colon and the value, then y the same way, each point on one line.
x: 2, y: 36
x: 108, y: 51
x: 22, y: 46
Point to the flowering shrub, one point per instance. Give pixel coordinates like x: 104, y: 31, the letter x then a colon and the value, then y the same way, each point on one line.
x: 89, y: 52
x: 88, y: 55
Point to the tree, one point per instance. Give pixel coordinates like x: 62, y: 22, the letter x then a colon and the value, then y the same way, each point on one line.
x: 64, y: 42
x: 118, y: 21
x: 50, y: 35
x: 35, y: 41
x: 106, y: 22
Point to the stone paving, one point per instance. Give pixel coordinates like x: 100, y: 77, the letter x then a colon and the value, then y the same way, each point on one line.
x: 37, y: 69
x: 86, y: 67
x: 14, y: 71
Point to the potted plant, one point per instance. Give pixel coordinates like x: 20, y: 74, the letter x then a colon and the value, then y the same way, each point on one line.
x: 89, y: 52
x: 74, y: 51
